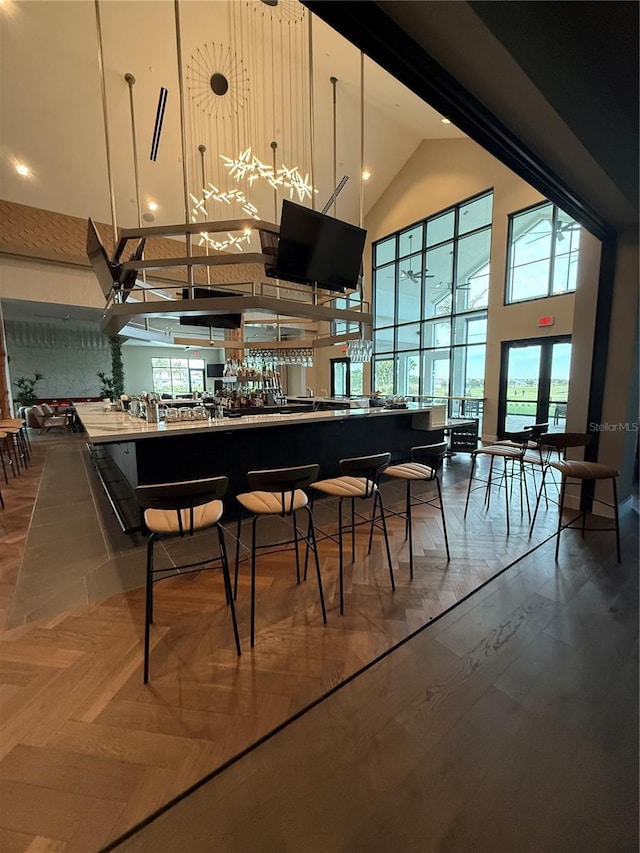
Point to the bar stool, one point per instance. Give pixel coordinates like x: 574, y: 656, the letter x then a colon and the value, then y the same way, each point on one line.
x: 278, y: 492
x: 4, y: 448
x: 426, y: 462
x: 179, y: 509
x: 16, y: 427
x: 577, y: 471
x: 12, y: 449
x: 359, y: 479
x: 513, y: 452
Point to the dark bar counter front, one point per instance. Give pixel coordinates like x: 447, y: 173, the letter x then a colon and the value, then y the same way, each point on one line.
x: 161, y: 453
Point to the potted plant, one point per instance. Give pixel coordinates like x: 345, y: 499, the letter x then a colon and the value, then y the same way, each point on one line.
x: 107, y: 389
x: 26, y: 396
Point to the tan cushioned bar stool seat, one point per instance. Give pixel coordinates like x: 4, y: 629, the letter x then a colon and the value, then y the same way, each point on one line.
x: 585, y: 470
x: 346, y: 487
x: 270, y: 503
x: 165, y: 521
x: 410, y: 471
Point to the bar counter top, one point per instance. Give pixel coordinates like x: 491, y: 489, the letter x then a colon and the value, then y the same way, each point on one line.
x: 105, y: 427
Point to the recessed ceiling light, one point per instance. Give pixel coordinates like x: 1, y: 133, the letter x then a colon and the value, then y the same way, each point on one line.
x: 152, y: 205
x: 445, y: 120
x: 366, y: 175
x: 23, y: 170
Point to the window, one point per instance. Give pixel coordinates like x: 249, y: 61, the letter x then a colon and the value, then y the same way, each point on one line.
x: 353, y: 302
x: 177, y: 375
x: 430, y: 297
x: 543, y: 253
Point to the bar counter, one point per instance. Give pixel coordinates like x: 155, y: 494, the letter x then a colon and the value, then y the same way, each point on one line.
x: 142, y: 453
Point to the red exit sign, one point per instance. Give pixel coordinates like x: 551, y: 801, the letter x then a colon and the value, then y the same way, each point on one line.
x: 545, y: 321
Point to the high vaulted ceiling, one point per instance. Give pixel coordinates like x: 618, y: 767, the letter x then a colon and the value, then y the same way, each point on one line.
x: 53, y: 119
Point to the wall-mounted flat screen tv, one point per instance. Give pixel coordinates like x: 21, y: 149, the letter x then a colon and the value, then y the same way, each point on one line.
x: 314, y: 248
x: 109, y: 274
x: 212, y: 321
x: 106, y: 271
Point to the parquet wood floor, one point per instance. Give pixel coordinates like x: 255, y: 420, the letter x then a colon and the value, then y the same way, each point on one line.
x: 510, y: 724
x: 88, y: 751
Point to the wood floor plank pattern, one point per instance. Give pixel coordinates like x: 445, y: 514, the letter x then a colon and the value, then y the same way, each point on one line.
x: 74, y: 702
x: 509, y: 725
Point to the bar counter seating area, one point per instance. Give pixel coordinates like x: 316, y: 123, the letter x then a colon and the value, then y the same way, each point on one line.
x: 319, y: 427
x: 228, y: 661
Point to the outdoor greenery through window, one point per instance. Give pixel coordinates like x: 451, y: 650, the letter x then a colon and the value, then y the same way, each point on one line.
x: 177, y: 375
x: 430, y: 297
x: 544, y: 244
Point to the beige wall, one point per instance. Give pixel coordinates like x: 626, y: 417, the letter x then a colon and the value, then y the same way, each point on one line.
x: 36, y: 281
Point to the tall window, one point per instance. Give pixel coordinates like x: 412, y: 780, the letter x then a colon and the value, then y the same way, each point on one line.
x: 177, y: 375
x: 543, y: 253
x: 430, y: 297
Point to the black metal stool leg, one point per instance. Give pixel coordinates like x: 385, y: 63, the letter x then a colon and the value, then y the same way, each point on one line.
x: 535, y: 512
x: 444, y: 523
x: 560, y: 517
x: 473, y: 467
x: 148, y: 610
x: 341, y: 559
x: 386, y: 538
x: 235, y: 574
x: 353, y: 530
x: 227, y: 585
x: 409, y: 527
x: 295, y: 543
x: 253, y: 580
x: 312, y: 534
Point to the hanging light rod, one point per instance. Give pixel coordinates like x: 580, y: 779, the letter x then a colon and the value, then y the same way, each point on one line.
x: 335, y: 193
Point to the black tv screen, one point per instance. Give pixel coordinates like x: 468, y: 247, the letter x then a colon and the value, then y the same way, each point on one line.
x: 213, y: 321
x: 317, y: 249
x: 128, y: 278
x: 106, y: 271
x: 109, y: 274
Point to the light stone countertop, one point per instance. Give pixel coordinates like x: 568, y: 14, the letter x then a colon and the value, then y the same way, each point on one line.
x: 109, y: 427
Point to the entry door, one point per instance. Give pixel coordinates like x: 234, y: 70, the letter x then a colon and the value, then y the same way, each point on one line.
x: 347, y: 378
x: 340, y: 377
x: 534, y: 384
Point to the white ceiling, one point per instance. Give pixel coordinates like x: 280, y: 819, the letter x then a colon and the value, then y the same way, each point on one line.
x: 53, y: 120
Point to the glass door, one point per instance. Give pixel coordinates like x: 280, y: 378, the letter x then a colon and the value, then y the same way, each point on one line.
x: 534, y: 386
x: 340, y: 377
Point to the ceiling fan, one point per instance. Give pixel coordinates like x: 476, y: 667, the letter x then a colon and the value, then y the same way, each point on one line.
x: 415, y: 275
x: 559, y: 232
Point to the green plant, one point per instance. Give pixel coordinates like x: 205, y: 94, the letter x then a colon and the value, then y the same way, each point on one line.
x: 26, y: 386
x: 117, y: 367
x: 107, y: 389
